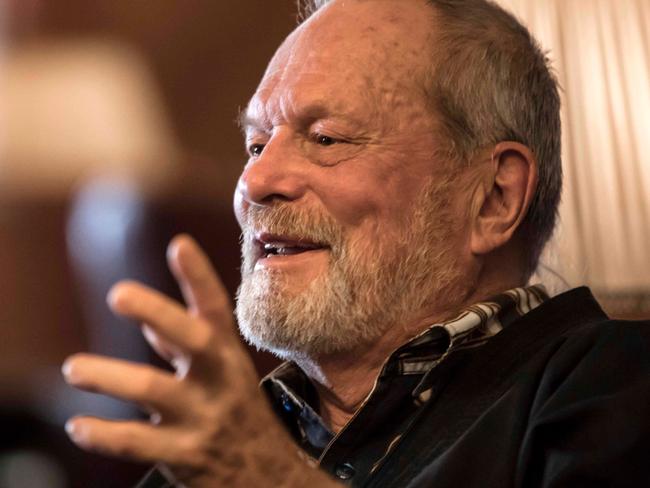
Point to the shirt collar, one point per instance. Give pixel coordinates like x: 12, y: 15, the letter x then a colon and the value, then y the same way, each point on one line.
x: 292, y: 393
x: 472, y: 327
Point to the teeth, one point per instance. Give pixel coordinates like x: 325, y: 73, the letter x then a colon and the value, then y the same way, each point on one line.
x: 279, y: 250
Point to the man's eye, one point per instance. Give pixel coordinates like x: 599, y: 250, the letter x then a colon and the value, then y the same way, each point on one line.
x: 255, y: 149
x: 325, y: 140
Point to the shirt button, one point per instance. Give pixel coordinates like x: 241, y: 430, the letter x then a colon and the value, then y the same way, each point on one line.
x: 286, y: 403
x: 344, y: 471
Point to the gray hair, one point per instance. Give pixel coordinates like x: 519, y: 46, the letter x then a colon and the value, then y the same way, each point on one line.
x: 308, y: 7
x: 490, y: 82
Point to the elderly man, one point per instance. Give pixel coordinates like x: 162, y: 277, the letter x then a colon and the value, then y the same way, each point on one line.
x: 403, y: 176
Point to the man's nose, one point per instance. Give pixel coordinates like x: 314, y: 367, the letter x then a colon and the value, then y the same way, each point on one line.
x: 277, y: 174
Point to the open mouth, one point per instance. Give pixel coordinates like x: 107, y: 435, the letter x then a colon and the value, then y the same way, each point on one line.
x: 271, y: 245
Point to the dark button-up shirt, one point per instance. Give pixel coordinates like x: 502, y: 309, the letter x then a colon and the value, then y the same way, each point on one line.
x: 556, y: 397
x: 402, y: 387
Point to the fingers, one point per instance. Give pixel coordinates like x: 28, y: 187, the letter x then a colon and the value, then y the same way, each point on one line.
x: 165, y: 316
x: 138, y: 441
x: 153, y: 389
x: 202, y: 289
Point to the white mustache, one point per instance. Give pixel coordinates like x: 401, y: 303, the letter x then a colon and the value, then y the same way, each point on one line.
x: 285, y: 219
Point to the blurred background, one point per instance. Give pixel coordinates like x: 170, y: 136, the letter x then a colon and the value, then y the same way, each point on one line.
x: 117, y: 131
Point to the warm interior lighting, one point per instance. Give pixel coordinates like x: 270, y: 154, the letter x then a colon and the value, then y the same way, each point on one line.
x: 71, y: 107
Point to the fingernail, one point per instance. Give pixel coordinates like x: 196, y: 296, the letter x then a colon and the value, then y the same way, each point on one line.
x: 71, y: 429
x: 66, y: 369
x: 111, y: 298
x: 117, y: 293
x: 172, y: 249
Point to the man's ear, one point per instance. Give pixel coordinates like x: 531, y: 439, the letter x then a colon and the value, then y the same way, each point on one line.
x: 505, y: 203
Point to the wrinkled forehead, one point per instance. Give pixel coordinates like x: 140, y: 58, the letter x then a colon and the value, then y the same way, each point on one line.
x: 367, y: 31
x: 372, y: 46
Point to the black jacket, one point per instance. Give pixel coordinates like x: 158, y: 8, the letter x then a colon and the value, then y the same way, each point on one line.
x: 560, y: 398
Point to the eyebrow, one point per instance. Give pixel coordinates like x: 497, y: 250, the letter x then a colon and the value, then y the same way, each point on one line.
x: 309, y: 113
x: 244, y: 121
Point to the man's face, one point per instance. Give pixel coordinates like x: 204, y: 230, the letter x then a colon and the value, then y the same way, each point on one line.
x: 349, y: 223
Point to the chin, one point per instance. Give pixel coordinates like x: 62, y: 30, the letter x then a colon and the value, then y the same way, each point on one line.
x: 319, y: 319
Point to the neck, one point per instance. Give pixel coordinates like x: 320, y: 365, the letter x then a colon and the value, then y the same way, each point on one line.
x: 344, y: 380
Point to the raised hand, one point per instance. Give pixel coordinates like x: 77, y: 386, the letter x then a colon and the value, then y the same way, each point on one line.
x: 209, y: 423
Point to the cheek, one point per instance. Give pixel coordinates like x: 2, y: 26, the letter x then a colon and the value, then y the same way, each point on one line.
x: 350, y: 201
x: 372, y: 209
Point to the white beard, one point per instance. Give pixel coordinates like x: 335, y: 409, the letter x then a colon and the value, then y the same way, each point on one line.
x: 368, y: 288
